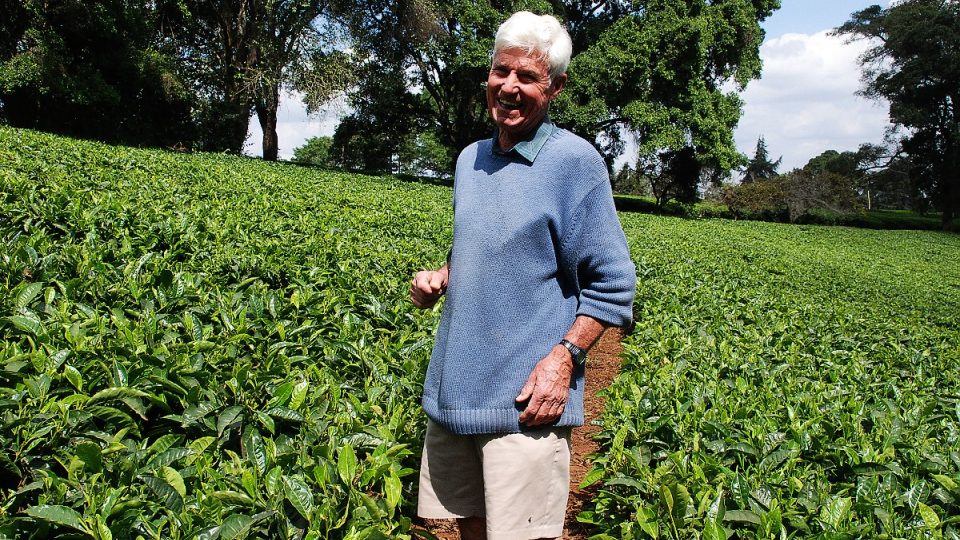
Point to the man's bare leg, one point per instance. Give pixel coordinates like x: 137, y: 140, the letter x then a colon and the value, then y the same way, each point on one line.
x: 472, y: 528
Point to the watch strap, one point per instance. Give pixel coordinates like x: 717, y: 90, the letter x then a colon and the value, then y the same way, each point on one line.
x: 579, y: 355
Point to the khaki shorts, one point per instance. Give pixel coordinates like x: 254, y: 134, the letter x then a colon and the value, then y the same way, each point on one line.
x: 518, y: 481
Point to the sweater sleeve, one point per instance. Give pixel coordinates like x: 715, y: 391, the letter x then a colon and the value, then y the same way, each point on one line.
x: 597, y: 257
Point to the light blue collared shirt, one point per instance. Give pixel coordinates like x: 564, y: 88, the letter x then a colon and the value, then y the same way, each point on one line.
x: 529, y: 147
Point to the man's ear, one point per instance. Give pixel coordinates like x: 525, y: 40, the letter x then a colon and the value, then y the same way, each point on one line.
x: 557, y: 85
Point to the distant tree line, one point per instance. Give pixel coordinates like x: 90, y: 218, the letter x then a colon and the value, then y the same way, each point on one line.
x: 191, y: 73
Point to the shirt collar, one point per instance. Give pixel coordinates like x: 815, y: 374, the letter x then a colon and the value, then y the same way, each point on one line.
x: 529, y: 147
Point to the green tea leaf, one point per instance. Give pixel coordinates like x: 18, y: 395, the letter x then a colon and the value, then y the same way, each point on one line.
x: 73, y: 376
x: 168, y: 495
x: 116, y: 393
x: 172, y: 477
x: 235, y: 526
x: 254, y: 450
x: 713, y: 530
x: 929, y: 516
x: 917, y: 493
x: 165, y: 458
x: 299, y: 394
x: 103, y: 531
x: 196, y: 412
x: 592, y: 477
x: 347, y: 464
x: 90, y: 454
x: 273, y: 481
x: 60, y: 515
x: 741, y: 516
x: 27, y: 324
x: 28, y: 294
x: 393, y: 489
x: 229, y: 416
x: 836, y: 511
x: 235, y: 498
x: 286, y: 414
x: 299, y: 495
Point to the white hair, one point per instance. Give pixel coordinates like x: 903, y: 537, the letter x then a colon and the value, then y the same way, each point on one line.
x: 536, y: 34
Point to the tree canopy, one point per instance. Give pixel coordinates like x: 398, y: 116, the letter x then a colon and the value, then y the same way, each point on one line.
x: 91, y: 69
x: 239, y: 54
x: 654, y: 68
x: 760, y: 166
x: 914, y: 63
x: 659, y: 72
x: 663, y: 71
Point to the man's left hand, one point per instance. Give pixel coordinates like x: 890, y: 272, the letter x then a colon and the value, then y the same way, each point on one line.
x: 547, y: 388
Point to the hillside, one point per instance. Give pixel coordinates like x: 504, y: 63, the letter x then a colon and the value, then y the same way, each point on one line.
x: 204, y: 345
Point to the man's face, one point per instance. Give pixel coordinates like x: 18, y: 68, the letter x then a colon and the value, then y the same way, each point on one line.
x: 518, y: 93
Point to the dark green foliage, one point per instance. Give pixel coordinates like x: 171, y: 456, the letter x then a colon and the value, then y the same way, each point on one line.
x: 91, y: 69
x: 239, y: 54
x: 915, y: 65
x: 422, y: 69
x: 384, y: 116
x: 842, y: 163
x: 658, y: 72
x: 796, y: 195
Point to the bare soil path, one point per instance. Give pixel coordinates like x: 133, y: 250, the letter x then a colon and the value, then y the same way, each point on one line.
x: 603, y: 366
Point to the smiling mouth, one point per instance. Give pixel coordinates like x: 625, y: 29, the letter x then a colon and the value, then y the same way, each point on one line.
x: 509, y: 105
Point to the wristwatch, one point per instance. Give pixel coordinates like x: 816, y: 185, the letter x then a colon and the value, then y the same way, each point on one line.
x: 579, y: 355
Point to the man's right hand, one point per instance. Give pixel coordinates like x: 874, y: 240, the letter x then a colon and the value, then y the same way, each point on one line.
x: 428, y: 286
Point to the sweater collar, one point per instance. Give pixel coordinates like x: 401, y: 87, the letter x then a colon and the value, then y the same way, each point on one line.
x: 529, y: 147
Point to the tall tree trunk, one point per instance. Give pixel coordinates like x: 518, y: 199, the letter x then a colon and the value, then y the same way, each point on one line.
x: 267, y: 115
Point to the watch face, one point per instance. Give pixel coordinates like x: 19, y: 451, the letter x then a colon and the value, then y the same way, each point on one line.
x: 579, y: 355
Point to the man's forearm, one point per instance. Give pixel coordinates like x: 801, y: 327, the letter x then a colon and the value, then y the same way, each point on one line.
x: 585, y: 331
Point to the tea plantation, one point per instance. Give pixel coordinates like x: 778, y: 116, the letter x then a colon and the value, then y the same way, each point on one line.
x: 203, y: 346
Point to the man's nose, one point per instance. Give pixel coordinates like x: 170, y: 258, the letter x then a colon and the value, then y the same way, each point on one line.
x: 510, y: 84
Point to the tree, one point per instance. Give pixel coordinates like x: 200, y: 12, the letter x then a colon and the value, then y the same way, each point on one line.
x: 241, y: 53
x: 842, y: 163
x: 659, y: 72
x: 760, y: 166
x: 654, y: 67
x: 915, y: 65
x: 886, y: 179
x: 384, y: 116
x: 422, y: 65
x: 91, y: 69
x: 803, y: 192
x: 315, y: 151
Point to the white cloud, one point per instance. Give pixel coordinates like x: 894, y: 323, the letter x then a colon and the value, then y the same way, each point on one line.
x: 806, y: 102
x: 294, y: 125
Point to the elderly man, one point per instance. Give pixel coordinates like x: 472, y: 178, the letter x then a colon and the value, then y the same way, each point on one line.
x: 538, y: 268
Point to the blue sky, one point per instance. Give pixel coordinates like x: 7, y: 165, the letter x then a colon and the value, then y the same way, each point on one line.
x: 804, y: 103
x: 810, y: 16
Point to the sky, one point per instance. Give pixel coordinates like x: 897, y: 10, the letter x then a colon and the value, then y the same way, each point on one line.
x: 804, y: 103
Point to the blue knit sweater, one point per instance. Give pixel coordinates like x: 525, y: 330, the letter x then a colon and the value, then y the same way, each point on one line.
x: 536, y: 242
